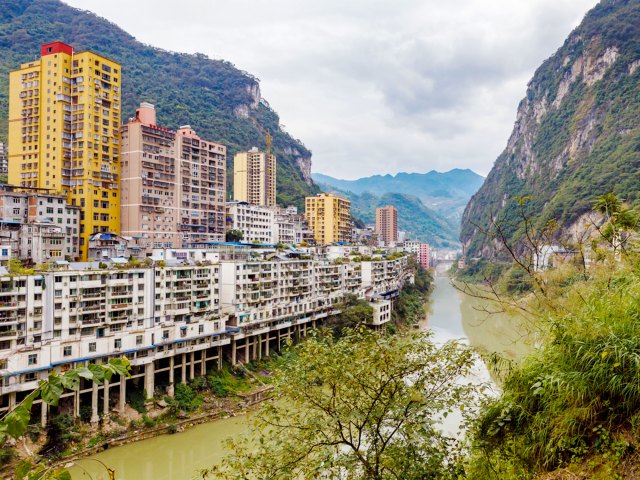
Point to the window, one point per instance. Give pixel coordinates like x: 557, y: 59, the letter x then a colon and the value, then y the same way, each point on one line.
x: 32, y: 359
x: 117, y: 343
x: 138, y: 339
x: 92, y: 347
x: 66, y: 351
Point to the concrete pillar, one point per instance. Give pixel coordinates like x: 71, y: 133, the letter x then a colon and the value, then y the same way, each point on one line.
x: 192, y: 370
x: 123, y: 395
x: 203, y: 363
x: 94, y: 403
x: 149, y: 379
x: 44, y: 410
x: 105, y: 400
x: 266, y: 347
x: 184, y: 368
x: 172, y: 364
x: 12, y: 401
x: 220, y: 357
x: 234, y: 353
x: 76, y: 403
x: 278, y: 340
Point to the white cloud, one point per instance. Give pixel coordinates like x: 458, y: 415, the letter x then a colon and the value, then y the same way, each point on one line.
x: 372, y: 86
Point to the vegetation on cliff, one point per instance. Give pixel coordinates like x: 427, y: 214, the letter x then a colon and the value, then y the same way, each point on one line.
x: 221, y: 102
x: 577, y: 133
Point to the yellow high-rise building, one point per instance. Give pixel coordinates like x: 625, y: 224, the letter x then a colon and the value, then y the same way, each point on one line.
x: 329, y: 218
x: 254, y: 178
x: 64, y: 133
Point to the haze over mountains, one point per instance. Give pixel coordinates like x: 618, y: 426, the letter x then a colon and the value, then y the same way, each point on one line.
x: 429, y: 204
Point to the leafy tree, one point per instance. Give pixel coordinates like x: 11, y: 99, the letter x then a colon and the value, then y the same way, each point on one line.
x: 14, y: 423
x: 234, y: 235
x: 359, y: 407
x: 354, y: 312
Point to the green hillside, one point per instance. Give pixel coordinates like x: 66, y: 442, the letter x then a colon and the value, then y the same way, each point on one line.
x: 577, y: 133
x: 220, y: 101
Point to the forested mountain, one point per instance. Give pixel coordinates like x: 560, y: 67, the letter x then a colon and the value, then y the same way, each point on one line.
x: 444, y: 192
x: 419, y: 221
x: 221, y: 102
x: 577, y: 132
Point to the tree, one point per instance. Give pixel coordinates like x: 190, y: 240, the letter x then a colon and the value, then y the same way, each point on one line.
x: 619, y: 221
x: 14, y: 423
x: 234, y: 235
x: 363, y: 406
x: 354, y: 312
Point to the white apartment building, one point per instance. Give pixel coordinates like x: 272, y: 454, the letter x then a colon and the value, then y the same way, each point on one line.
x: 40, y: 227
x: 175, y: 321
x: 255, y: 222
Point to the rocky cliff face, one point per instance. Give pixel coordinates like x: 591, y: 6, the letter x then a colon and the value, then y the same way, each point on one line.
x: 576, y: 135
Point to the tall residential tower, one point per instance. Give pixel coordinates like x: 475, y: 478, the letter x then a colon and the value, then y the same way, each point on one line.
x: 64, y: 133
x: 173, y: 184
x: 387, y: 224
x: 254, y: 178
x: 329, y: 218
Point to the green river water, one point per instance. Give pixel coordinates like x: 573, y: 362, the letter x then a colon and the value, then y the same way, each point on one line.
x: 178, y: 457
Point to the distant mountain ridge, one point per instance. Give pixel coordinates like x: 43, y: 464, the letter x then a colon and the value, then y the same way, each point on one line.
x: 446, y: 193
x: 221, y: 102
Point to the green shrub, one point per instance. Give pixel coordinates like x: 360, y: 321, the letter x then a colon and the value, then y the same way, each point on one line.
x: 185, y: 399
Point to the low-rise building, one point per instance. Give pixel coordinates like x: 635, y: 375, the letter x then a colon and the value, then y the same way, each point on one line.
x: 39, y: 226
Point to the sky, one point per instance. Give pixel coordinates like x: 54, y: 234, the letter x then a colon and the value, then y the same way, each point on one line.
x: 372, y: 86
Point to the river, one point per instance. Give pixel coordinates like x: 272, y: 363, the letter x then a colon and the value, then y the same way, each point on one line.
x: 451, y: 315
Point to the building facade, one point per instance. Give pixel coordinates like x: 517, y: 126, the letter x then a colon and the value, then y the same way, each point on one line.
x: 256, y: 223
x: 4, y: 163
x: 254, y: 178
x: 424, y: 255
x: 173, y: 322
x: 64, y: 132
x: 387, y: 224
x: 173, y: 184
x: 329, y: 217
x: 39, y: 227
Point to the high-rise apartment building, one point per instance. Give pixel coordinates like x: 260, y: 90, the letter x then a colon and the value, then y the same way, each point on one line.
x: 173, y: 184
x: 424, y: 255
x: 254, y: 178
x: 387, y: 224
x: 64, y: 132
x: 329, y: 218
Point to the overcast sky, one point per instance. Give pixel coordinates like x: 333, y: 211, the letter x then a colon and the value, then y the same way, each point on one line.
x: 372, y: 86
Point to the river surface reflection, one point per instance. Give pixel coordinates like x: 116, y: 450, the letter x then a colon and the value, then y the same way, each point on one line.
x: 451, y: 315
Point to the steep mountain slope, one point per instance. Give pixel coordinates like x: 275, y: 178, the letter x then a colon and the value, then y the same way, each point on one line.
x: 221, y: 102
x: 447, y: 193
x: 420, y: 222
x: 577, y: 133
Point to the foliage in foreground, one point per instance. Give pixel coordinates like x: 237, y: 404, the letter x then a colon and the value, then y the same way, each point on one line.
x: 14, y: 424
x: 363, y: 406
x: 577, y: 397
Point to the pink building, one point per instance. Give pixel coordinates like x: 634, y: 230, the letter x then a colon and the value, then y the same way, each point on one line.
x: 173, y: 184
x: 423, y: 255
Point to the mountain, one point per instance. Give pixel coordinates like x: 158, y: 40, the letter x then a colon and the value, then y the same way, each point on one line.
x: 447, y: 193
x: 221, y: 102
x: 420, y: 222
x: 577, y: 132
